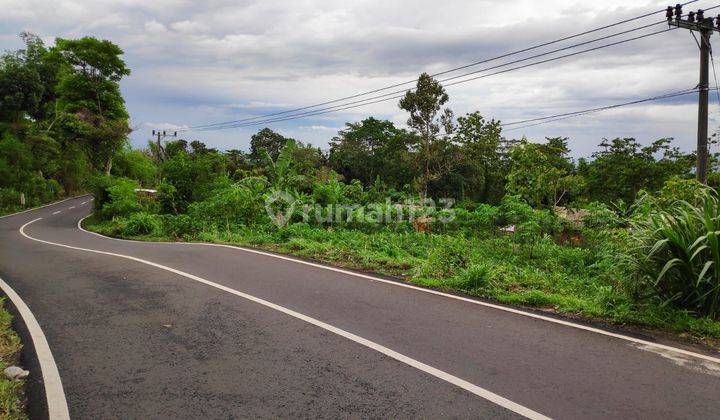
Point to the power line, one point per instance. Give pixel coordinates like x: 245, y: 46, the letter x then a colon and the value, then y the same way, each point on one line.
x: 717, y: 92
x: 440, y: 73
x: 557, y: 117
x: 399, y: 94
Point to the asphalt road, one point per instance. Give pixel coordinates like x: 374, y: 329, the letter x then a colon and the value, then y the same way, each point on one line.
x: 157, y: 330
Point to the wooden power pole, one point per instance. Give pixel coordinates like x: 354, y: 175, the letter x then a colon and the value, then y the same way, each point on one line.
x: 697, y: 22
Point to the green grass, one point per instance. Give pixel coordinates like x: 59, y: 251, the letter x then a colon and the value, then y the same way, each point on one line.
x: 585, y: 282
x: 12, y: 396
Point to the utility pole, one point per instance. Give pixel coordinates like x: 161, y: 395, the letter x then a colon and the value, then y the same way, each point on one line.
x: 697, y: 22
x: 161, y: 134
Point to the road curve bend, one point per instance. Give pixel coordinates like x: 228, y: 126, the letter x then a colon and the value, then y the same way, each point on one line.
x: 175, y: 330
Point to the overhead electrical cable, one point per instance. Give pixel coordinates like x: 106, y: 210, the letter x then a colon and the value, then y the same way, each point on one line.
x: 553, y: 118
x: 435, y: 74
x: 399, y: 94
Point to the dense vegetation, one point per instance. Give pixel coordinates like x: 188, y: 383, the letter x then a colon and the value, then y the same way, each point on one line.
x: 12, y: 393
x: 62, y: 118
x: 624, y: 235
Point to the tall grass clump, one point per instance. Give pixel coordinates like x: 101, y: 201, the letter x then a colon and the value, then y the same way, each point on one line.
x: 680, y: 254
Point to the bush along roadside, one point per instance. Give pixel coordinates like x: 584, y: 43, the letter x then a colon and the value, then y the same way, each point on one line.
x: 604, y: 277
x: 12, y: 391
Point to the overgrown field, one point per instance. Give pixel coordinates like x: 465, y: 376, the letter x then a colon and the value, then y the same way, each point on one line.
x: 602, y: 274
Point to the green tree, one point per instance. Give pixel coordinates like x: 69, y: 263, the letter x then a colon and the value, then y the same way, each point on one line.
x: 623, y: 167
x: 266, y: 140
x: 20, y: 88
x: 373, y: 148
x: 424, y: 104
x: 135, y: 164
x: 483, y: 167
x: 541, y: 173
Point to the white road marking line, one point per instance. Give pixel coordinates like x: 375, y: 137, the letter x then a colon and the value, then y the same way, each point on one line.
x: 434, y: 292
x: 40, y: 207
x: 83, y: 203
x: 468, y: 386
x: 56, y: 212
x: 57, y: 405
x: 71, y: 207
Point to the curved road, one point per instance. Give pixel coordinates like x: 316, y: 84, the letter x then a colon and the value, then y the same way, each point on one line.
x: 159, y: 330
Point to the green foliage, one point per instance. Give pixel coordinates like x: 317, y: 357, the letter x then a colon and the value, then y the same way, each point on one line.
x: 267, y: 142
x: 372, y: 149
x: 681, y: 249
x: 476, y: 276
x: 540, y: 173
x: 623, y: 168
x: 115, y: 196
x: 237, y: 205
x: 180, y: 226
x: 62, y: 116
x: 135, y: 164
x: 187, y: 178
x: 12, y: 397
x: 678, y: 189
x: 423, y: 104
x: 600, y: 216
x: 142, y: 223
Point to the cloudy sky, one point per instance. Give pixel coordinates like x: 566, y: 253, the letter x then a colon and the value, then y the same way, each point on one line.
x: 204, y: 62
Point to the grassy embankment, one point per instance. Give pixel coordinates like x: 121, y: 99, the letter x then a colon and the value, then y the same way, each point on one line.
x: 12, y: 393
x: 587, y: 282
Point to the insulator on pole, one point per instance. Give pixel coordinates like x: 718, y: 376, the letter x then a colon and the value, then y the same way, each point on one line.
x: 678, y: 11
x: 164, y: 133
x: 717, y: 21
x: 700, y: 15
x: 691, y: 17
x: 153, y: 132
x: 669, y: 13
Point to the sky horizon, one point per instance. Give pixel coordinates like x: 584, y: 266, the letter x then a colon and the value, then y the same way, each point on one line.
x: 219, y: 61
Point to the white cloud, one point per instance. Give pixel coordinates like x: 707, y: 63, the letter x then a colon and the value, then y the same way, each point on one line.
x: 195, y: 63
x: 320, y: 128
x: 154, y: 27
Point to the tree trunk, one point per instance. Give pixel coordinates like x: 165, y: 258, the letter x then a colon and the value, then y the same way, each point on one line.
x: 108, y: 165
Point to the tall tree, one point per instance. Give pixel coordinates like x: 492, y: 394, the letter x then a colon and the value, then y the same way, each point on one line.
x: 482, y: 166
x: 373, y: 148
x: 424, y: 104
x: 542, y: 173
x: 268, y: 141
x: 90, y: 96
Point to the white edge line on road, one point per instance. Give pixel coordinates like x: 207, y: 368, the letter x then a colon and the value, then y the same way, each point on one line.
x: 434, y: 292
x: 56, y: 403
x: 42, y: 207
x: 468, y: 386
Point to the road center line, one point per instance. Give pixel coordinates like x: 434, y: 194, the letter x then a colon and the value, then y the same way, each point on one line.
x: 57, y: 212
x: 434, y: 292
x: 54, y: 393
x: 468, y: 386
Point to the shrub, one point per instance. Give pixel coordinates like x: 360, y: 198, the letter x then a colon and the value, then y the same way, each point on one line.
x: 446, y: 259
x: 236, y: 205
x: 476, y: 276
x: 601, y: 216
x: 9, y: 199
x: 114, y: 196
x: 681, y: 255
x: 141, y: 224
x: 180, y: 226
x: 678, y: 189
